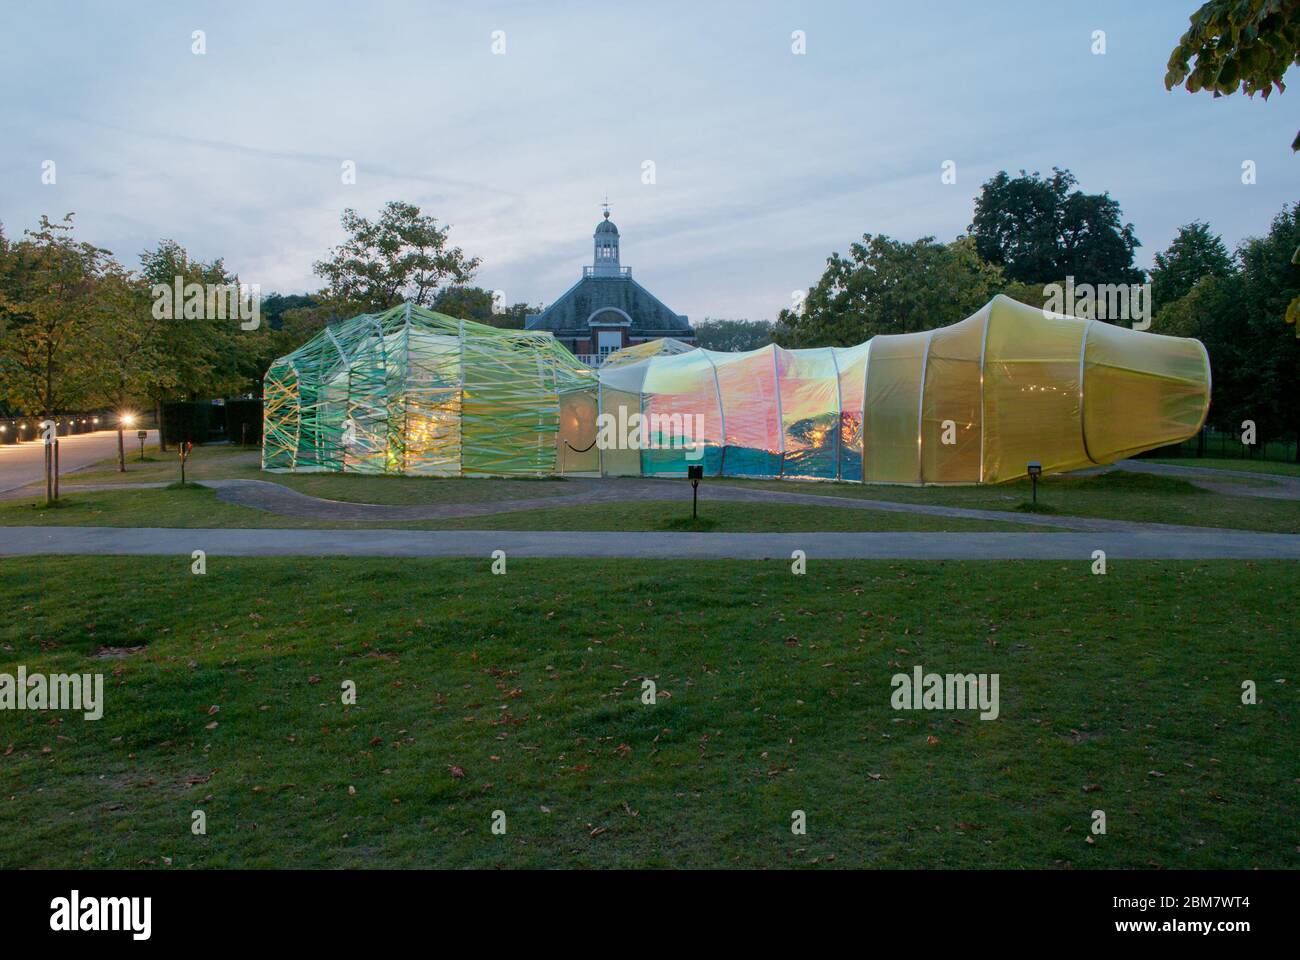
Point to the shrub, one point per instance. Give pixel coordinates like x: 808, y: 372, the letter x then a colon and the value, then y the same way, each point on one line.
x: 185, y: 420
x: 241, y: 413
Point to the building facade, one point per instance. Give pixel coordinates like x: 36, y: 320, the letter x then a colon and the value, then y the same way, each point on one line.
x: 607, y: 310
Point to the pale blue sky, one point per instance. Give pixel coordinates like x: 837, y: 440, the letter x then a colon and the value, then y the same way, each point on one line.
x: 765, y: 161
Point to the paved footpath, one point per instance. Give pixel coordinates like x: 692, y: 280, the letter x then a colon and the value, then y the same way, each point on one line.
x: 1132, y: 545
x: 1234, y: 483
x: 23, y: 464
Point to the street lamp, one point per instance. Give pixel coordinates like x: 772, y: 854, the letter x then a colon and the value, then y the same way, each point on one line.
x: 124, y: 420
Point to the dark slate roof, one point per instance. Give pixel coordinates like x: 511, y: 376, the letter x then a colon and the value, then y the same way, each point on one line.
x: 568, y: 315
x: 606, y: 226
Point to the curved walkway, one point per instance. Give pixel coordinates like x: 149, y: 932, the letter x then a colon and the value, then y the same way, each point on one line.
x: 279, y: 499
x: 1274, y: 486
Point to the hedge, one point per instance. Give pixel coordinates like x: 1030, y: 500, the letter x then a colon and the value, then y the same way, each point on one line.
x: 241, y: 413
x: 183, y: 420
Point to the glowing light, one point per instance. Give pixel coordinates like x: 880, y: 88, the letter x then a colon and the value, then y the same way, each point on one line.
x: 128, y: 419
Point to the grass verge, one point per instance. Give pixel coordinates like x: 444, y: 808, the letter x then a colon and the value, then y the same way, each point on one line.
x: 1116, y: 495
x: 523, y: 693
x: 1277, y: 468
x: 198, y: 506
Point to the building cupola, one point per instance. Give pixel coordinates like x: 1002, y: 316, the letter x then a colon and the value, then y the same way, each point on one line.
x: 605, y: 262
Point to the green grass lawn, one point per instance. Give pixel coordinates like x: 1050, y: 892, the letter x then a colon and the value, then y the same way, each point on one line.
x: 1274, y: 467
x: 1117, y: 495
x: 521, y: 693
x: 197, y: 506
x: 209, y: 462
x: 225, y: 462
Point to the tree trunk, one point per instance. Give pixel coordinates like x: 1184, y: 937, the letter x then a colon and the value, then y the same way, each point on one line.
x: 157, y: 412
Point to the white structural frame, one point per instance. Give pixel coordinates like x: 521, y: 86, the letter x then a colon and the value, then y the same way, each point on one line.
x: 1083, y: 353
x: 780, y: 416
x: 984, y: 345
x: 920, y: 412
x: 866, y: 374
x: 722, y: 414
x: 839, y: 413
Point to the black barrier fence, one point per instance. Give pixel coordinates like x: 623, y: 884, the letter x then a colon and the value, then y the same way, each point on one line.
x: 237, y: 421
x: 1222, y: 445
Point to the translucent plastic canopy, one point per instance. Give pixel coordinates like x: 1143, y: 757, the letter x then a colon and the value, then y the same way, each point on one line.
x: 409, y: 391
x: 973, y: 402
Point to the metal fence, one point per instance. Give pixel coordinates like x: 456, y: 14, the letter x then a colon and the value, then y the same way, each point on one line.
x: 1218, y: 444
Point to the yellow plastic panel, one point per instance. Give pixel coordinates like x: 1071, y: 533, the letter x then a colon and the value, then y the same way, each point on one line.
x: 890, y: 437
x: 1031, y: 392
x: 950, y: 427
x: 1141, y: 390
x: 576, y: 451
x: 619, y: 460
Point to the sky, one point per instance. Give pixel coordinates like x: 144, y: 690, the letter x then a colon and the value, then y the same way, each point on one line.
x: 511, y: 122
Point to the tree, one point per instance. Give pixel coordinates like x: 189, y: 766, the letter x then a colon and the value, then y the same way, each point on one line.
x: 276, y: 305
x: 476, y: 303
x: 888, y: 286
x: 733, y: 336
x: 128, y: 354
x: 1235, y: 317
x: 198, y: 357
x: 1195, y: 252
x: 48, y: 286
x: 1238, y: 43
x: 1039, y: 230
x: 1250, y: 43
x: 401, y: 256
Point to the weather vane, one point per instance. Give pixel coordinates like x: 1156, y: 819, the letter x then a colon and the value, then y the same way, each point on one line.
x: 605, y: 205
